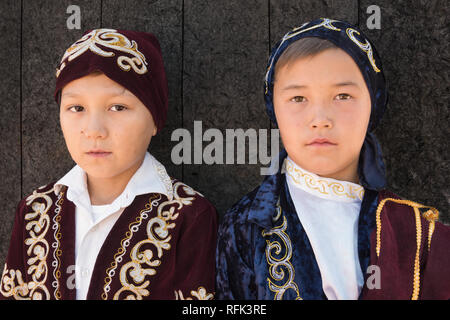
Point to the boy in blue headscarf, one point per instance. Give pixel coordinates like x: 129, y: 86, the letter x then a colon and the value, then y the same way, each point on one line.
x: 324, y: 227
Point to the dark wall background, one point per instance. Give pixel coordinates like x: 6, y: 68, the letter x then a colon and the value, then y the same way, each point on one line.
x: 215, y: 56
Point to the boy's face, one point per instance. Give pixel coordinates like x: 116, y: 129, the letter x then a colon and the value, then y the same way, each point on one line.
x: 323, y: 97
x: 96, y: 113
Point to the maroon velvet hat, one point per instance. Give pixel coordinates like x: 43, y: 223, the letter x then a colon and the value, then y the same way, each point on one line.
x: 131, y: 58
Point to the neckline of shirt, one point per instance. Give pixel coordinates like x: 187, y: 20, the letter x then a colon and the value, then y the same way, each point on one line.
x: 323, y: 187
x: 151, y: 177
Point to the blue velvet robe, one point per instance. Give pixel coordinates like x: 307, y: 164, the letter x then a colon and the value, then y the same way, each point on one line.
x: 263, y: 252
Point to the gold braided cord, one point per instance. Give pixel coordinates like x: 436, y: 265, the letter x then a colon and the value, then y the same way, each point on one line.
x: 431, y: 215
x: 416, y: 279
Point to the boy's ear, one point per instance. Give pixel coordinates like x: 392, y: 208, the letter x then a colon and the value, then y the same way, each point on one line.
x: 154, y: 131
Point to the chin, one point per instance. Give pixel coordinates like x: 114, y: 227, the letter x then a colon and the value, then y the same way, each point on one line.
x: 323, y: 171
x: 99, y: 171
x: 321, y: 167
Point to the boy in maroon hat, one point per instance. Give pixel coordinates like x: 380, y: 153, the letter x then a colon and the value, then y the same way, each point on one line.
x: 116, y: 226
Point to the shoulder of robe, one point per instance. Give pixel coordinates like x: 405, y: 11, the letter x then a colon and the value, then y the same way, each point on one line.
x: 46, y: 192
x: 411, y: 223
x: 394, y: 205
x: 195, y: 200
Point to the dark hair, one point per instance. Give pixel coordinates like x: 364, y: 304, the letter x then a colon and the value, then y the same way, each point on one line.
x: 301, y: 48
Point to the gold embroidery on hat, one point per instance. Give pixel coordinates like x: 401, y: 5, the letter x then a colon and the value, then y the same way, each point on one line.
x: 366, y: 47
x: 108, y: 38
x: 326, y: 23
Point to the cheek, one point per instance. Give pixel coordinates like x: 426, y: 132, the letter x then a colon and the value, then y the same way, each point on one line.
x: 353, y: 128
x: 287, y: 115
x: 132, y: 135
x: 290, y: 122
x: 69, y: 130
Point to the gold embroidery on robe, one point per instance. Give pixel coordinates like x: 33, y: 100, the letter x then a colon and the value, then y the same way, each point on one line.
x: 134, y: 275
x: 278, y: 265
x: 200, y: 294
x: 56, y: 245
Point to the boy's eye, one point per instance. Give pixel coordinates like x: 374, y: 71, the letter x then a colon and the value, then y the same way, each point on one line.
x: 118, y: 107
x: 298, y: 99
x: 343, y: 96
x: 76, y: 108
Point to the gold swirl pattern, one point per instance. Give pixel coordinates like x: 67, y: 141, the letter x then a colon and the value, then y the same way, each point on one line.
x: 326, y: 23
x: 134, y: 274
x: 200, y: 294
x: 366, y: 47
x: 56, y: 246
x: 132, y: 228
x: 108, y: 38
x: 12, y: 283
x: 277, y: 264
x: 324, y: 187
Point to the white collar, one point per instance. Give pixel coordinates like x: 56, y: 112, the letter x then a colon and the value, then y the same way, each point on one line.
x: 151, y: 177
x: 323, y: 187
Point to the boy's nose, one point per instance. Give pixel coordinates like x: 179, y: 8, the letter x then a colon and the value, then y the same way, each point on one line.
x: 321, y: 121
x: 321, y: 124
x: 94, y: 128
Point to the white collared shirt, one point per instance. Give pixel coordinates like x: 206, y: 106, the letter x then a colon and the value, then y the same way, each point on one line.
x: 329, y: 211
x: 93, y: 223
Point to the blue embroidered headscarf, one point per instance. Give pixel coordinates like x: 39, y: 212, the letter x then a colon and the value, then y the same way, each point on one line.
x: 371, y: 168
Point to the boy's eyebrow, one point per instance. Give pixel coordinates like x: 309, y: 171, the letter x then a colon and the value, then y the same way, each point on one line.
x: 339, y: 84
x: 346, y: 83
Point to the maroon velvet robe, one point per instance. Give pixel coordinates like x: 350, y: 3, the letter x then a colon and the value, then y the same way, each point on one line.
x: 413, y: 252
x: 159, y: 248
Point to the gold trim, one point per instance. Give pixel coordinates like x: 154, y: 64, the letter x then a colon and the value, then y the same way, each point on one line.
x: 125, y: 242
x: 325, y: 186
x: 37, y: 227
x: 107, y: 38
x: 366, y: 47
x: 200, y: 294
x: 431, y: 215
x: 56, y: 246
x: 326, y: 23
x: 416, y: 280
x: 276, y: 273
x: 143, y: 263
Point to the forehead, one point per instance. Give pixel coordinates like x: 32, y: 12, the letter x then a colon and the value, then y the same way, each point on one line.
x: 329, y: 65
x: 94, y: 83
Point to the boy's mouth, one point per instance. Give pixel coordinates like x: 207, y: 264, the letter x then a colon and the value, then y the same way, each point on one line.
x: 98, y: 153
x: 321, y: 142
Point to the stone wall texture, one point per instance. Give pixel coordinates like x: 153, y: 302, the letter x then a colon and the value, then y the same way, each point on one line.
x: 215, y: 54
